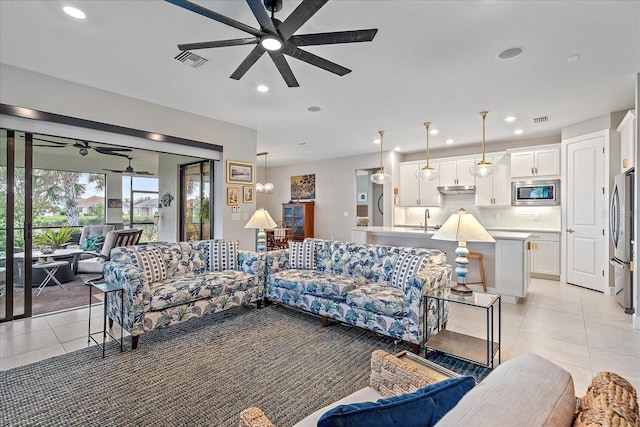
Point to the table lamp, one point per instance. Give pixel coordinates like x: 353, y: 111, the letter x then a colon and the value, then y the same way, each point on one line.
x: 261, y: 220
x: 462, y: 227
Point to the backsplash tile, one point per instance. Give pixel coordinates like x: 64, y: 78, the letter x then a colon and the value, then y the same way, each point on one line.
x: 510, y: 217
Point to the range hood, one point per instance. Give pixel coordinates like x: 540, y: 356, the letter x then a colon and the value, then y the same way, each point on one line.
x: 457, y: 189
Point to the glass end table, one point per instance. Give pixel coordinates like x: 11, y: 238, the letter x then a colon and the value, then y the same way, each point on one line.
x: 481, y: 351
x: 106, y: 288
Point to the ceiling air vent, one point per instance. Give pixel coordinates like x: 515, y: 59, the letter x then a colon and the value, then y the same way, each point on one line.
x: 541, y: 119
x: 190, y: 58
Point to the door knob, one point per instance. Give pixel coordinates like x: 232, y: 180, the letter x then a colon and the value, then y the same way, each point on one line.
x: 571, y: 231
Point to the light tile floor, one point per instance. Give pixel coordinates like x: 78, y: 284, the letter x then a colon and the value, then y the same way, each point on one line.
x: 581, y: 330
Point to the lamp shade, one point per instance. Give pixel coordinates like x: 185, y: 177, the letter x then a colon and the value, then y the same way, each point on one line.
x: 261, y: 220
x: 462, y: 227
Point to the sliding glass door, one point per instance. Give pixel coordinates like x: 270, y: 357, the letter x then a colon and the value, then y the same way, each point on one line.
x: 195, y: 196
x: 15, y: 224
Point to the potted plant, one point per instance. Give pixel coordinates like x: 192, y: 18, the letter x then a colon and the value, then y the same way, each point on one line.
x: 54, y: 239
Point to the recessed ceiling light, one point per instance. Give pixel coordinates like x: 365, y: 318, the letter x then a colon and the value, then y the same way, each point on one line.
x: 376, y: 141
x: 510, y: 119
x: 573, y: 58
x: 512, y: 52
x: 518, y: 131
x: 74, y: 12
x: 449, y: 141
x: 302, y: 143
x: 314, y: 109
x: 434, y: 131
x: 396, y: 148
x: 262, y: 88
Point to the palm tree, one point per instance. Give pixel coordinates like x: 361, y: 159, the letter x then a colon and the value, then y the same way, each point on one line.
x: 55, y: 186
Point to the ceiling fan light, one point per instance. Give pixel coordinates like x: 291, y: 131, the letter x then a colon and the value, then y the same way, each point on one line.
x: 427, y: 173
x: 271, y: 43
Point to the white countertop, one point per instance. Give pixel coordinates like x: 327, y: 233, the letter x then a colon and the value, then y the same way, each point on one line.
x: 418, y: 232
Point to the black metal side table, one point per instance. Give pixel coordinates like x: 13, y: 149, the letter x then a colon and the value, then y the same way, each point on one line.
x: 105, y: 288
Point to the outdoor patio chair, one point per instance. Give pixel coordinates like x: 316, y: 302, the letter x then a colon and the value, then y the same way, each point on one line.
x: 112, y: 240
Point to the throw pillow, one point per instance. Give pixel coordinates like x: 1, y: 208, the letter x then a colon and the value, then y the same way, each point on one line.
x: 406, y: 266
x: 92, y: 243
x: 152, y: 263
x: 223, y: 255
x: 302, y: 255
x: 422, y: 408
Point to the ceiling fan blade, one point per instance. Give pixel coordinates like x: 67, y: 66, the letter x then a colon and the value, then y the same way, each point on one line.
x: 317, y: 61
x: 215, y: 16
x: 334, y: 37
x: 142, y: 173
x: 219, y: 43
x: 48, y: 146
x: 113, y: 170
x: 111, y: 153
x: 283, y: 67
x: 248, y: 62
x: 299, y: 16
x: 262, y: 16
x: 57, y: 144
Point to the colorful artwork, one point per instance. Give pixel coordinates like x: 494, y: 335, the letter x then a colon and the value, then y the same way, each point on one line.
x: 239, y: 172
x: 303, y: 187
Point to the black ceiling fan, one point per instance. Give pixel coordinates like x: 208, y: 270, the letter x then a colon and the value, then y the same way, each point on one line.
x: 277, y: 37
x: 129, y: 169
x: 82, y: 145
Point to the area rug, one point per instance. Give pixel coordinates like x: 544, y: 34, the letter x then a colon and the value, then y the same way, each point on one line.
x: 202, y: 372
x: 459, y: 366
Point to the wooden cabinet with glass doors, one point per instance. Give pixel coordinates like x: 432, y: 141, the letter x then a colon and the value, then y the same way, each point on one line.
x: 298, y: 219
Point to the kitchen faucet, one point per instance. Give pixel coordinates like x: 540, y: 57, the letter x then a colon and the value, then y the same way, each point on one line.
x: 427, y: 215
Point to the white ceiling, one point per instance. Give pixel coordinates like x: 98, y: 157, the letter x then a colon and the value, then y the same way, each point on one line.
x: 431, y: 60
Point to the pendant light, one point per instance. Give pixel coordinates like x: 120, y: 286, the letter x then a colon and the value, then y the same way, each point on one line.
x: 483, y: 168
x: 267, y: 187
x: 380, y: 177
x: 427, y: 172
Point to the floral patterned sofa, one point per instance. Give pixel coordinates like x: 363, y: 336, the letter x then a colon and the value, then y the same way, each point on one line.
x: 371, y: 286
x: 167, y: 284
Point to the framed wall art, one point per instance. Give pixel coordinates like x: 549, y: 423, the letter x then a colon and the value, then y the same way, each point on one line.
x: 247, y: 194
x: 239, y: 172
x: 303, y: 187
x: 233, y: 196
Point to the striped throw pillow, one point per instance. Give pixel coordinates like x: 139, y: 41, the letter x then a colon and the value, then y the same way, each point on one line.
x: 407, y: 265
x: 302, y: 255
x: 223, y: 255
x: 152, y: 263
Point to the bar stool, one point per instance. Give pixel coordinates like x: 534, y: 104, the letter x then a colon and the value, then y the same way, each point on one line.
x: 477, y: 256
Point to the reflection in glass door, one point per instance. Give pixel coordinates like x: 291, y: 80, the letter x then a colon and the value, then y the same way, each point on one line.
x: 195, y: 196
x: 15, y: 224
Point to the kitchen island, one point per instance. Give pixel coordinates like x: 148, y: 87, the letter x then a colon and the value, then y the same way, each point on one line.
x: 506, y: 262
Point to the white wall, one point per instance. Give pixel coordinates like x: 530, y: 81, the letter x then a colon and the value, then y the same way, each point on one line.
x: 335, y: 191
x: 27, y: 89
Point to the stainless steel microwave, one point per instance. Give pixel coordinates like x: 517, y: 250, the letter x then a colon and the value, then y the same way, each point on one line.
x: 535, y: 193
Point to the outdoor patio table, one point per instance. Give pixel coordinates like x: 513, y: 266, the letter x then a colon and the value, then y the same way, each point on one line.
x: 50, y: 269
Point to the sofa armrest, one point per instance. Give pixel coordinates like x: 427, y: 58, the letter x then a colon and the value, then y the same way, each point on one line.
x: 254, y: 417
x: 137, y: 294
x: 434, y: 277
x: 390, y: 376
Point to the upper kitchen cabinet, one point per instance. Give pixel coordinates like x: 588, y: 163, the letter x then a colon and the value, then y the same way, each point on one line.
x: 495, y: 189
x: 535, y: 162
x: 456, y: 172
x: 414, y: 191
x: 627, y: 131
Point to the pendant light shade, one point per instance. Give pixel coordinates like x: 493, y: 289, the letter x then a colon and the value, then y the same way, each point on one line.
x: 483, y: 168
x: 380, y: 177
x: 267, y: 187
x: 427, y: 173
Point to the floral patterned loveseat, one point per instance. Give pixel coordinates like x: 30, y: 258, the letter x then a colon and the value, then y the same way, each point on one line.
x: 376, y: 287
x: 167, y: 284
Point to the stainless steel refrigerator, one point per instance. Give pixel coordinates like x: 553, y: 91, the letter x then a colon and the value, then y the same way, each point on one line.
x: 621, y: 225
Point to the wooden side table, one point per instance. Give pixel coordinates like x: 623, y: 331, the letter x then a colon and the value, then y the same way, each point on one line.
x: 105, y: 288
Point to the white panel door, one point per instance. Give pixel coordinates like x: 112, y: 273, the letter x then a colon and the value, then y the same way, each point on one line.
x: 586, y: 211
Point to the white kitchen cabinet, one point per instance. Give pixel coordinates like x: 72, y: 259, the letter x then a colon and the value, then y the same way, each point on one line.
x: 414, y: 191
x: 537, y: 162
x: 456, y: 172
x: 495, y: 190
x: 627, y: 131
x: 545, y: 255
x: 513, y: 271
